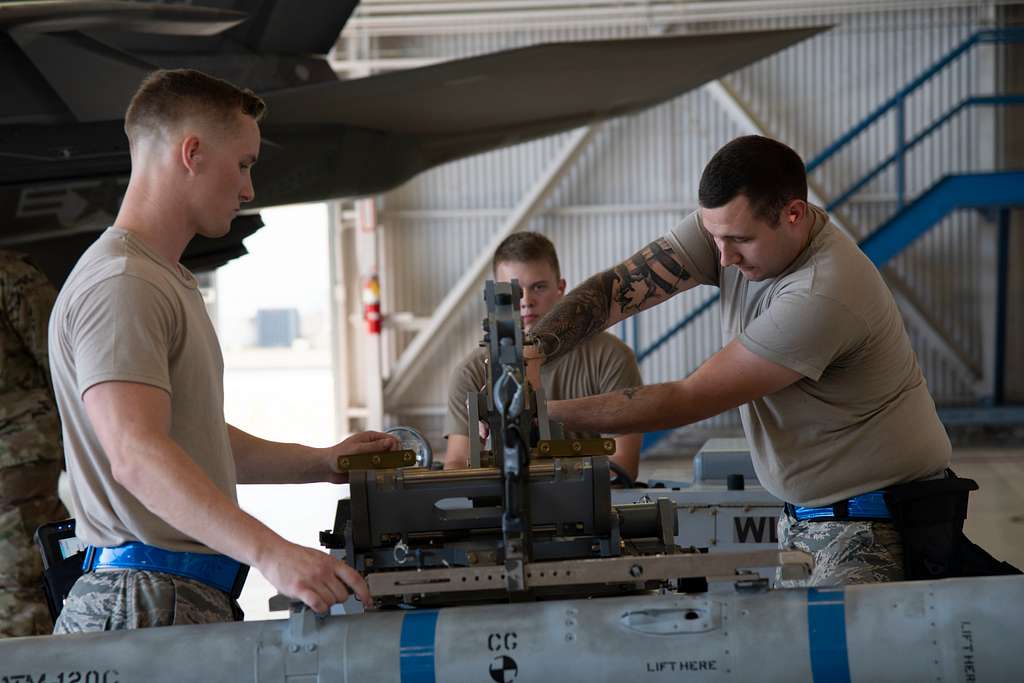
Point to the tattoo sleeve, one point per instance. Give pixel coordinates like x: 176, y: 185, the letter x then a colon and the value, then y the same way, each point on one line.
x: 580, y: 315
x: 650, y: 276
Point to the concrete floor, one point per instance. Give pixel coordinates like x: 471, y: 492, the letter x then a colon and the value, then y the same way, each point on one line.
x: 995, y: 517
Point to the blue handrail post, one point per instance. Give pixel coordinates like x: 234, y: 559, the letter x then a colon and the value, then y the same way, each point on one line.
x: 1003, y: 270
x: 901, y: 150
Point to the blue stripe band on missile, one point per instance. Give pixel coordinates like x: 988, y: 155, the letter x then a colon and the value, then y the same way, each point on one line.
x: 826, y: 635
x: 416, y: 649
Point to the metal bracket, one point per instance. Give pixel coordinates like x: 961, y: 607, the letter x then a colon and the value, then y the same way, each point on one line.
x: 719, y: 567
x: 574, y: 448
x: 543, y: 425
x: 384, y: 460
x: 296, y: 658
x: 473, y: 399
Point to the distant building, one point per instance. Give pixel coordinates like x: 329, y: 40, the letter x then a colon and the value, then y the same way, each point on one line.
x: 276, y: 327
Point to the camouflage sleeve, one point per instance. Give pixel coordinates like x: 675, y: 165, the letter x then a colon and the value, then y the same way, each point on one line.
x: 27, y: 297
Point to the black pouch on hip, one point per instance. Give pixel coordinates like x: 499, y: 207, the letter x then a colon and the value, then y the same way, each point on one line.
x: 236, y: 590
x: 930, y: 518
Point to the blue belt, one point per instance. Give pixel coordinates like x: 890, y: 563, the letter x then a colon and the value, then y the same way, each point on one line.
x: 218, y: 571
x: 866, y: 506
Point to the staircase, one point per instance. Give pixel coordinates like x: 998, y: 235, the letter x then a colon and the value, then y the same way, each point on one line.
x: 995, y: 191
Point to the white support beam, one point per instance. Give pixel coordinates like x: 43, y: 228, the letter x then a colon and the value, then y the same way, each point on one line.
x: 367, y: 239
x: 745, y: 118
x: 426, y: 343
x: 340, y: 329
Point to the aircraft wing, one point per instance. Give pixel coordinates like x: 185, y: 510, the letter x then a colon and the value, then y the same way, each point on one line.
x: 383, y: 130
x: 56, y: 16
x: 69, y: 67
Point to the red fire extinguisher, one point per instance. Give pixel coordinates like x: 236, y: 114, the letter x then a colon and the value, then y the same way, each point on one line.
x: 371, y: 304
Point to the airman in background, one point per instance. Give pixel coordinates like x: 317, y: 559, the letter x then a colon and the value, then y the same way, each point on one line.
x: 30, y: 444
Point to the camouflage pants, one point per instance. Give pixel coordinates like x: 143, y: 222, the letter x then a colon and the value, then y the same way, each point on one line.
x: 844, y: 552
x: 121, y: 599
x: 28, y: 499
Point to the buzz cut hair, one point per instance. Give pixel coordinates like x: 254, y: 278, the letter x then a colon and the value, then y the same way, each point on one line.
x: 527, y: 247
x: 168, y: 97
x: 767, y: 172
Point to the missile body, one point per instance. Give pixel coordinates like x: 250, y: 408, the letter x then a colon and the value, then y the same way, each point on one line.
x: 969, y: 629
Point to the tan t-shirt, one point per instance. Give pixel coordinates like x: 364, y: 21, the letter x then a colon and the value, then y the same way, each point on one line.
x: 861, y: 418
x: 126, y: 314
x: 600, y: 365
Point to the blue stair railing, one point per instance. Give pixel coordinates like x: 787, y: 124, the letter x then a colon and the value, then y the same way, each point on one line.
x: 911, y: 222
x: 898, y: 102
x: 967, y: 191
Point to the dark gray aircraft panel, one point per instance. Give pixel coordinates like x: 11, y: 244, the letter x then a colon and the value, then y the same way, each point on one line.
x: 68, y: 69
x: 550, y: 82
x: 53, y: 16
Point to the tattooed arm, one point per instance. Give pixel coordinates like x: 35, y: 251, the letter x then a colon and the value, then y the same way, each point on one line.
x: 652, y: 275
x: 730, y: 378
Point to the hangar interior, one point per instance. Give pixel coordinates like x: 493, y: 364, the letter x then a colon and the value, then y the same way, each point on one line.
x: 909, y: 116
x: 902, y: 111
x: 883, y: 106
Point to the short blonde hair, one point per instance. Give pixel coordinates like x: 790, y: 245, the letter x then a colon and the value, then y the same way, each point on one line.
x: 170, y: 96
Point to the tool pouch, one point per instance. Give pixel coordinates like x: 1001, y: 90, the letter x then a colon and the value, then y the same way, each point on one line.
x: 236, y: 590
x: 930, y: 518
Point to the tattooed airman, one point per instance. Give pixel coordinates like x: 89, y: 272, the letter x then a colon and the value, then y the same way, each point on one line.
x: 815, y: 356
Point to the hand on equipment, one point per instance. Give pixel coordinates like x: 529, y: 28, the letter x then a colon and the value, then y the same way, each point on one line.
x: 312, y: 576
x: 360, y: 442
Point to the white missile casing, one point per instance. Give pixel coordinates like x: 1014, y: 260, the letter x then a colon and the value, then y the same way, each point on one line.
x: 969, y: 629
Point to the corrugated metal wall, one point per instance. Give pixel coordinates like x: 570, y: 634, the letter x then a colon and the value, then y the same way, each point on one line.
x: 640, y: 174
